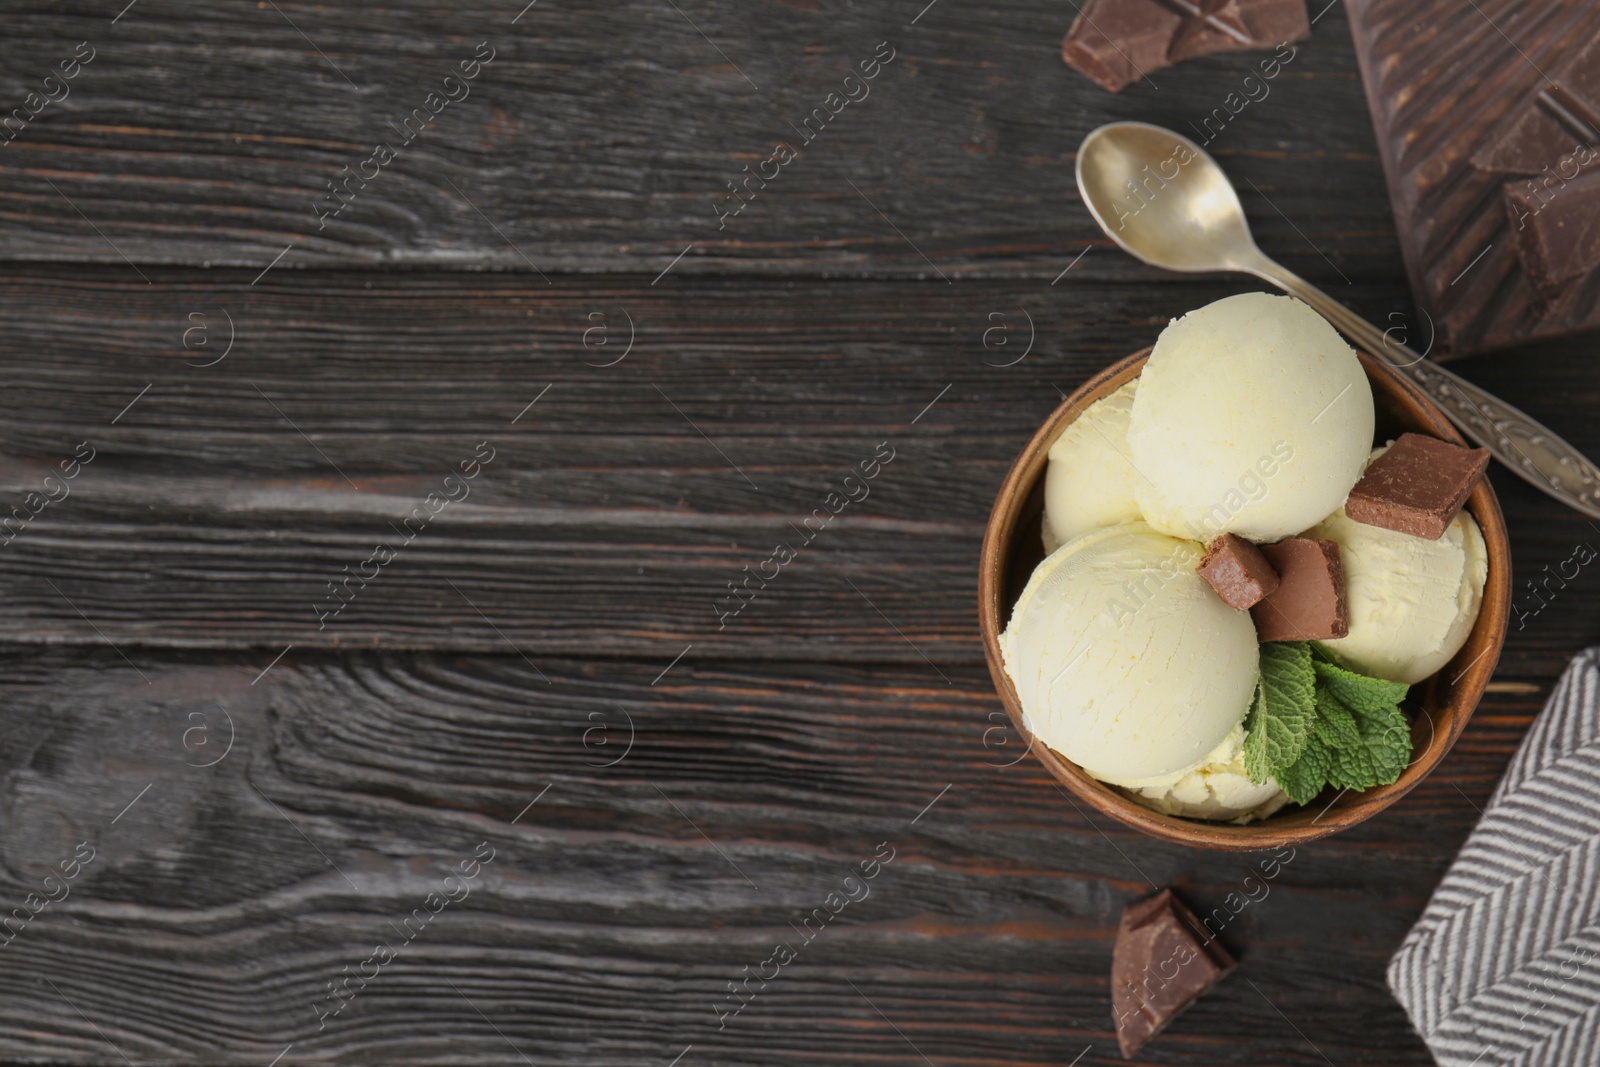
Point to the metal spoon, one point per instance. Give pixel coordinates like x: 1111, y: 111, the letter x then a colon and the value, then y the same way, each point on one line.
x: 1162, y: 198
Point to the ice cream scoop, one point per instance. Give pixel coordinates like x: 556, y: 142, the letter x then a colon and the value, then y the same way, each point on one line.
x: 1218, y: 789
x: 1125, y: 661
x: 1090, y: 481
x: 1252, y: 417
x: 1412, y: 601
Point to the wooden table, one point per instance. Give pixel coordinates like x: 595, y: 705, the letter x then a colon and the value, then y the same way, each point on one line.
x: 379, y: 762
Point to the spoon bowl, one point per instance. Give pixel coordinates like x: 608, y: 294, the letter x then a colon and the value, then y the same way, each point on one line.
x: 1163, y: 199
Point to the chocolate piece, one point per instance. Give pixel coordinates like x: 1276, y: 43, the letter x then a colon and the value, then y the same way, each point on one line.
x: 1556, y: 229
x: 1309, y: 603
x: 1471, y: 124
x: 1417, y: 486
x: 1117, y: 42
x: 1238, y: 572
x: 1562, y: 115
x: 1160, y: 966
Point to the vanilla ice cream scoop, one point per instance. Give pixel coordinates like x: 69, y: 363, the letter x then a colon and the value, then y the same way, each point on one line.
x: 1253, y: 417
x: 1219, y: 789
x: 1412, y: 601
x: 1090, y: 480
x: 1125, y: 661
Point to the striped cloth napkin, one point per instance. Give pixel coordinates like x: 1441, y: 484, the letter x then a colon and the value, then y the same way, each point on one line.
x: 1503, y: 968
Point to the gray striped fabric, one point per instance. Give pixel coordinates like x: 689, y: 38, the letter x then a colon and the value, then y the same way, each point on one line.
x: 1503, y: 968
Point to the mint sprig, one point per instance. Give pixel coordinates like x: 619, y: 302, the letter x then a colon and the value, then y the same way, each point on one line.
x: 1315, y: 723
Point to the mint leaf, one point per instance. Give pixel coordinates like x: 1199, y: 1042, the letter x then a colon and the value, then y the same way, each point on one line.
x: 1357, y: 691
x: 1378, y: 751
x: 1335, y: 724
x: 1278, y: 726
x: 1255, y: 760
x: 1381, y: 755
x: 1306, y: 778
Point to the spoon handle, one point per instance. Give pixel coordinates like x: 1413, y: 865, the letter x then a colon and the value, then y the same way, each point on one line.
x: 1529, y: 449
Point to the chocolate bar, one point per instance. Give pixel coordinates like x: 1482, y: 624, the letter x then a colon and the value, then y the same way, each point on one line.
x: 1417, y: 486
x: 1309, y: 603
x: 1159, y: 967
x: 1488, y: 141
x: 1117, y: 42
x: 1238, y: 572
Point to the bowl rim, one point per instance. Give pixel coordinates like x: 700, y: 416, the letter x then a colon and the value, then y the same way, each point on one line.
x: 1494, y: 612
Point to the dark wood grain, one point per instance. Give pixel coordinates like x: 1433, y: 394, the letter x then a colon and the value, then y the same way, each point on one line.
x: 566, y: 605
x: 602, y: 136
x: 1443, y: 90
x: 206, y: 519
x: 617, y: 908
x: 618, y: 508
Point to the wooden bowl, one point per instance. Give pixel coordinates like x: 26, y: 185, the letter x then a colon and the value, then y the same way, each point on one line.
x: 1440, y: 706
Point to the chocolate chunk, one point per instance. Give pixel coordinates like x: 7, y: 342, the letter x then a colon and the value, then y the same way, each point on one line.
x: 1160, y: 966
x: 1562, y: 115
x: 1309, y: 603
x: 1238, y: 571
x: 1417, y: 486
x: 1117, y: 42
x: 1556, y: 229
